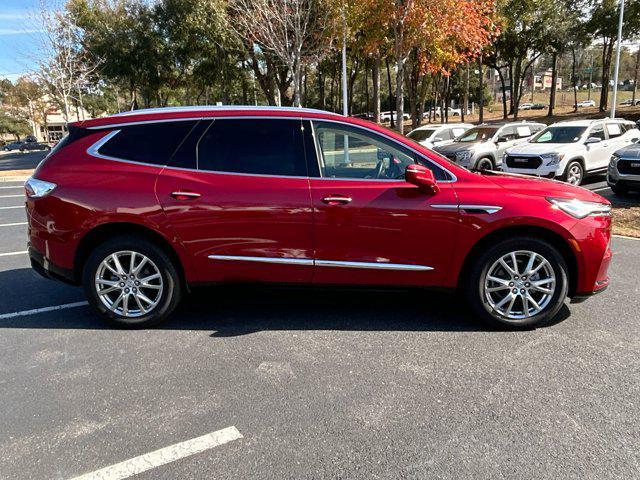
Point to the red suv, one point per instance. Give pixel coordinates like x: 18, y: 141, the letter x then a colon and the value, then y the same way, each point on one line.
x: 141, y: 206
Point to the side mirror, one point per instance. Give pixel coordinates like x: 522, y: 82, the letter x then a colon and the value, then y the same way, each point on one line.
x: 592, y: 140
x: 421, y: 177
x: 501, y: 139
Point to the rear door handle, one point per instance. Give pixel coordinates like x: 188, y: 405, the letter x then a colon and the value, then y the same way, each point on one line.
x: 184, y: 195
x: 334, y: 199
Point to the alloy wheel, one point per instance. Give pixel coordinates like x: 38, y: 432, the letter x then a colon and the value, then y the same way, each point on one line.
x: 485, y: 164
x: 129, y: 284
x: 519, y: 285
x: 574, y: 174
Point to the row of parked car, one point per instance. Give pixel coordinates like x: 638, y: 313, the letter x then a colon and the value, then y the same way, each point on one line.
x: 568, y: 151
x: 28, y: 144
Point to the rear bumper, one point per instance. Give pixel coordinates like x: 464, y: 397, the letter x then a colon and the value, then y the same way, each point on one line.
x: 48, y: 270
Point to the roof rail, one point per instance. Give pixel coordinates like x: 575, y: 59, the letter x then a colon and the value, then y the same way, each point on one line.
x: 146, y: 111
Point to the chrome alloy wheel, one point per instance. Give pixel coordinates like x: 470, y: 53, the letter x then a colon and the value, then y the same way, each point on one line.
x: 519, y: 285
x: 574, y: 175
x: 129, y: 284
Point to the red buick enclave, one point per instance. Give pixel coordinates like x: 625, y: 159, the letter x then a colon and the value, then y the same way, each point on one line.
x: 138, y: 207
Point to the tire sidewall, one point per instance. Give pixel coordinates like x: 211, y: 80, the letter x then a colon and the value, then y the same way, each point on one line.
x: 486, y: 260
x: 171, y: 281
x: 484, y: 160
x: 570, y: 164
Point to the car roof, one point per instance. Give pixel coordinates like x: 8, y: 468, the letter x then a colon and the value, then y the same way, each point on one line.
x: 210, y: 111
x: 588, y: 122
x: 438, y: 125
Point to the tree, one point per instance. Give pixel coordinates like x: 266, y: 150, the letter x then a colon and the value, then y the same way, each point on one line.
x: 603, y: 24
x: 296, y: 31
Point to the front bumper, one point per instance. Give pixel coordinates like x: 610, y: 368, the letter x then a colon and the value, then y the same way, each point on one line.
x: 48, y: 270
x: 616, y: 178
x: 542, y: 171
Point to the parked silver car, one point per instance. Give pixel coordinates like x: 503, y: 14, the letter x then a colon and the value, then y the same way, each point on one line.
x: 483, y: 147
x: 623, y: 173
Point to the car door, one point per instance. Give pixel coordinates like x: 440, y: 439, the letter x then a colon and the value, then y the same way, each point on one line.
x: 509, y: 139
x: 372, y: 227
x: 236, y: 193
x: 617, y: 137
x: 597, y: 155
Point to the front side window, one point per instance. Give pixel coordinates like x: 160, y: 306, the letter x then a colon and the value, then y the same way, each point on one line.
x: 559, y: 135
x: 152, y: 143
x: 508, y: 133
x: 352, y: 153
x: 253, y: 146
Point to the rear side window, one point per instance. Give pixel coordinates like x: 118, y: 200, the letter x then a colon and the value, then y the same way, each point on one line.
x: 614, y: 130
x: 253, y: 146
x: 152, y: 143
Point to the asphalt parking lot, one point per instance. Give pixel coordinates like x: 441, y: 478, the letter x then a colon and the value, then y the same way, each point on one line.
x: 297, y: 383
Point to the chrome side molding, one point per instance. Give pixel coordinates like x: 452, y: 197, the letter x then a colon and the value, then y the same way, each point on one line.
x: 488, y: 209
x: 324, y: 263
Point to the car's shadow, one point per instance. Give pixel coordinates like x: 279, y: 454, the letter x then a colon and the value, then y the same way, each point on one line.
x: 230, y: 311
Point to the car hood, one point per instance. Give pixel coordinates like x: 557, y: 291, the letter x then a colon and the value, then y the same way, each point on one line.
x: 542, y: 187
x: 539, y: 148
x: 455, y: 147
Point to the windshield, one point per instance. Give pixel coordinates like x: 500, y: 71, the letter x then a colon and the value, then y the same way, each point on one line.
x: 559, y: 135
x: 478, y: 134
x: 421, y: 135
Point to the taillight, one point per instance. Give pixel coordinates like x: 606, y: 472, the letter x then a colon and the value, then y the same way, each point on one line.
x: 38, y: 188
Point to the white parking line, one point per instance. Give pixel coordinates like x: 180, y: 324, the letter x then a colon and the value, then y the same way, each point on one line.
x: 35, y: 311
x: 625, y: 237
x: 8, y: 208
x: 11, y: 196
x: 600, y: 189
x: 145, y: 462
x: 13, y: 186
x: 9, y: 254
x: 13, y: 224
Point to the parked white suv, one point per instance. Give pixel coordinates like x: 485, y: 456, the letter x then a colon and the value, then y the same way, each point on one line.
x: 483, y: 147
x: 571, y: 150
x: 438, y: 134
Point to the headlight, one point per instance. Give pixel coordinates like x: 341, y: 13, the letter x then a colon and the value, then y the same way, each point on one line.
x: 579, y: 208
x: 38, y: 188
x: 552, y: 158
x: 463, y: 156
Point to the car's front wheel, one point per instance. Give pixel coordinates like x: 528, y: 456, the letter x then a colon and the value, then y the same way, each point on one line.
x: 574, y: 173
x: 619, y: 190
x: 518, y: 283
x: 131, y: 282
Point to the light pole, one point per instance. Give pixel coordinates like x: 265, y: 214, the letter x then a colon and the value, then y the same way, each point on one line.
x: 617, y: 67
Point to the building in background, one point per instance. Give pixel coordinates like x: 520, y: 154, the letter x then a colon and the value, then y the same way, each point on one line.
x: 543, y: 81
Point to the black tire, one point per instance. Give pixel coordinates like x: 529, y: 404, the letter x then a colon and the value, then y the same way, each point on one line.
x: 573, y: 164
x: 172, y: 285
x: 619, y: 189
x: 485, y: 163
x: 475, y: 291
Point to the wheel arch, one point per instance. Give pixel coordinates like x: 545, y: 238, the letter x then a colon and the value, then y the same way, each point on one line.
x: 105, y: 231
x: 578, y: 158
x: 535, y: 231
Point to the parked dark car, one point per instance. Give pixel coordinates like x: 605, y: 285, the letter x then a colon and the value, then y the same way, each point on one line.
x: 539, y: 106
x: 623, y: 173
x: 13, y: 146
x: 28, y: 146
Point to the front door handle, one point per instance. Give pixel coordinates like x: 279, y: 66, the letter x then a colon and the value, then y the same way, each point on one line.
x: 336, y: 200
x: 184, y: 195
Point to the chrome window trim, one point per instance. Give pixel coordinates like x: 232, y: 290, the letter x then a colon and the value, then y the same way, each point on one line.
x: 93, y: 149
x: 323, y: 263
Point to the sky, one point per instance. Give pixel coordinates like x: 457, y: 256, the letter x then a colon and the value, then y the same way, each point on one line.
x: 18, y: 37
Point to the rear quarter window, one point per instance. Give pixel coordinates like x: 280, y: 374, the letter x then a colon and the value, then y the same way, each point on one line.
x: 152, y: 143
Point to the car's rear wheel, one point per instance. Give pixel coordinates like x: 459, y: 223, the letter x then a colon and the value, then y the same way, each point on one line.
x: 574, y: 174
x: 518, y: 283
x: 131, y: 282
